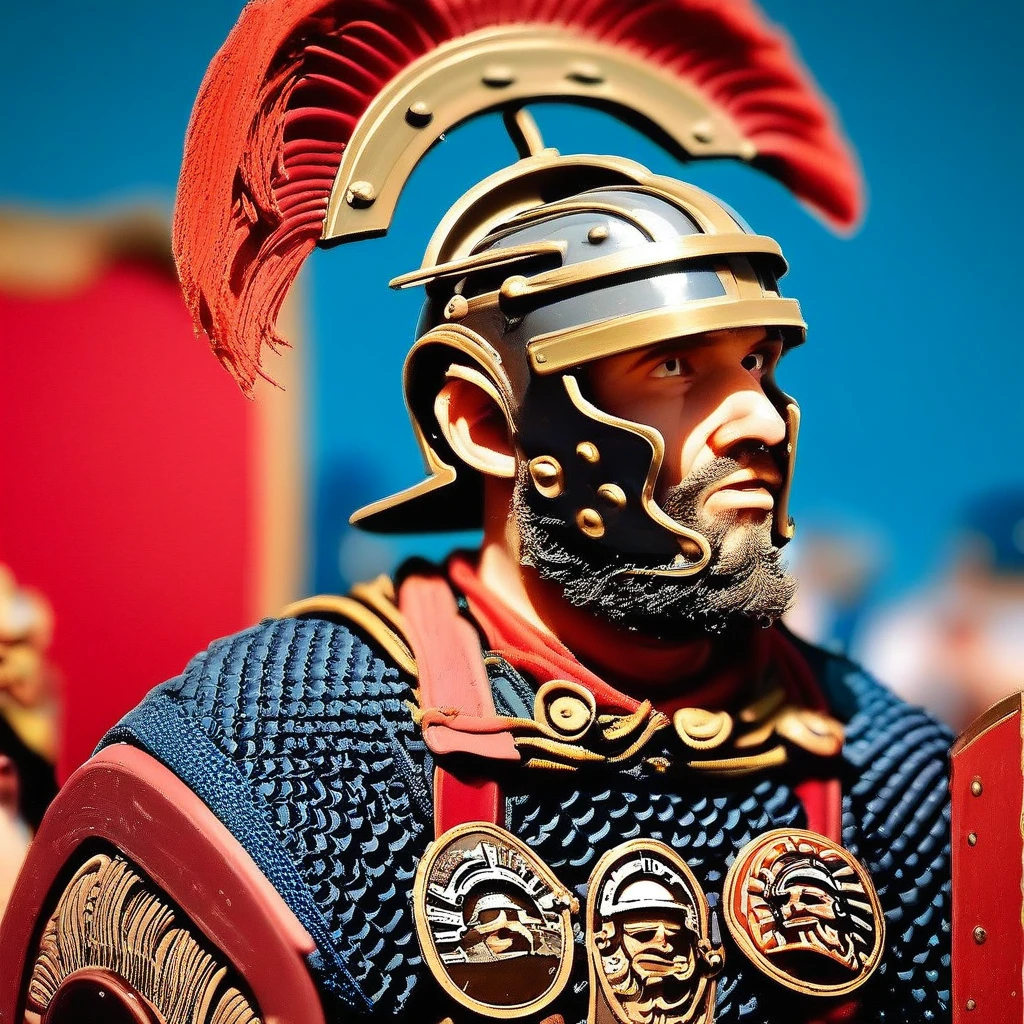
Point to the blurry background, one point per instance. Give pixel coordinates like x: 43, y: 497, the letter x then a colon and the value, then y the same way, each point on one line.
x: 910, y: 383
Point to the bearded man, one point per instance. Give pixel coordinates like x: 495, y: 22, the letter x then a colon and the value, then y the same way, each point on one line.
x: 603, y: 687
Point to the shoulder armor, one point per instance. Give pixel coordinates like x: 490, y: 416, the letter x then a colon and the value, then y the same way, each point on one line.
x: 137, y: 900
x: 370, y: 607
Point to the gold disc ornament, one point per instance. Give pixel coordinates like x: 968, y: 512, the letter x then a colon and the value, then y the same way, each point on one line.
x: 805, y: 912
x: 653, y: 949
x: 493, y: 923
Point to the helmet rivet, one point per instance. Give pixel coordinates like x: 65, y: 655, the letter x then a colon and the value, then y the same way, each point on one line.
x: 588, y: 452
x: 585, y: 73
x: 497, y: 76
x: 457, y: 308
x: 360, y: 194
x: 513, y: 287
x: 703, y: 132
x: 419, y: 115
x: 597, y: 234
x: 546, y: 473
x: 590, y: 522
x: 613, y: 494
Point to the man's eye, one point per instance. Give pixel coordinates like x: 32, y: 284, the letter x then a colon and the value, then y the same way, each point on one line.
x: 669, y: 368
x: 754, y: 362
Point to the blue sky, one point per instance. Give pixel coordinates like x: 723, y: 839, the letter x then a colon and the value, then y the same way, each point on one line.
x: 910, y: 383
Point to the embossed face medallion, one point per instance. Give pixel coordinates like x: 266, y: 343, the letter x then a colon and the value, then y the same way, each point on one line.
x: 805, y: 912
x: 652, y: 959
x: 493, y: 922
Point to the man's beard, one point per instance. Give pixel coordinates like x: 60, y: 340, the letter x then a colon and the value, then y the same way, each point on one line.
x: 745, y: 581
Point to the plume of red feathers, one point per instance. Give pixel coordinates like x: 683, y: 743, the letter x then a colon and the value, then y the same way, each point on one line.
x: 283, y: 95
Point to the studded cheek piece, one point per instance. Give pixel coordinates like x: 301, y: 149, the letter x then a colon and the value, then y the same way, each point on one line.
x: 558, y: 285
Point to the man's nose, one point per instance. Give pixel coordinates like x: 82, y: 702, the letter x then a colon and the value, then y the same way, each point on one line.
x: 746, y: 416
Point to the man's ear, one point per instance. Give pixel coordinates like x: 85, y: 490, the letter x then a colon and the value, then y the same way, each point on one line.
x: 474, y: 421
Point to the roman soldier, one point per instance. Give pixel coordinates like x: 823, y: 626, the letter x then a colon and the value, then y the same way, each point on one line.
x: 581, y: 773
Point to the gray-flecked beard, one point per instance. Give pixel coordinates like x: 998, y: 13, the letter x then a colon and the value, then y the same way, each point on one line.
x: 745, y: 581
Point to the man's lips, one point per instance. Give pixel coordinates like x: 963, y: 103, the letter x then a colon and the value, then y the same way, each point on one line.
x: 746, y: 488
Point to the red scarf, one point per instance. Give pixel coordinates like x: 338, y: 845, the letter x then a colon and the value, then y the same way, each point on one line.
x: 527, y: 648
x: 542, y: 656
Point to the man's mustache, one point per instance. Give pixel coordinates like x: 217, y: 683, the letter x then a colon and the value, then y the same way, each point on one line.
x: 683, y: 501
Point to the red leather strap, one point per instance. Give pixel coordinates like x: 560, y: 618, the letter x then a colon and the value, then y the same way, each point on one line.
x: 461, y: 798
x: 823, y: 802
x: 454, y: 691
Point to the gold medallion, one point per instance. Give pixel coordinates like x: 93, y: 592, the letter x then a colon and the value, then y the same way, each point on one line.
x: 653, y: 956
x: 493, y: 922
x: 805, y: 912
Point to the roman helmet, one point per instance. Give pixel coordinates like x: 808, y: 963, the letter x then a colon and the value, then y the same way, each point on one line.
x: 312, y: 117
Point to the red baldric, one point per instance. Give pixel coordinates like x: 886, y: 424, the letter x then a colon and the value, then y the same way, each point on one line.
x: 455, y: 695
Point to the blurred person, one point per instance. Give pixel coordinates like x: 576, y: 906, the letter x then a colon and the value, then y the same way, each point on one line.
x: 957, y: 645
x: 28, y: 723
x: 836, y: 568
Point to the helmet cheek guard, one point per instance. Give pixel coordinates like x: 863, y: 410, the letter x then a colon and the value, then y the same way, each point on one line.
x: 599, y: 472
x: 783, y: 527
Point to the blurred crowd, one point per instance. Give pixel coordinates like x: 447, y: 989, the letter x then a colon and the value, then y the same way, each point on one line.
x: 955, y: 643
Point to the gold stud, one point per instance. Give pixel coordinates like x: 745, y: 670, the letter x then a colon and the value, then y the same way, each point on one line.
x: 597, y: 234
x: 419, y: 115
x: 457, y: 308
x: 497, y: 76
x: 703, y: 132
x: 547, y: 476
x: 976, y: 787
x: 702, y: 730
x: 360, y: 194
x: 565, y: 708
x: 590, y: 522
x: 588, y: 452
x: 613, y: 494
x: 513, y: 287
x: 972, y: 838
x: 980, y: 935
x: 585, y: 73
x: 970, y: 1004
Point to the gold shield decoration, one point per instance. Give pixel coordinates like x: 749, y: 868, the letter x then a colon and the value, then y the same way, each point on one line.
x: 653, y: 956
x: 493, y: 922
x: 805, y: 912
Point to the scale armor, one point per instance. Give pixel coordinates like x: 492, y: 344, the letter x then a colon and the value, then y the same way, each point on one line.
x: 254, y: 725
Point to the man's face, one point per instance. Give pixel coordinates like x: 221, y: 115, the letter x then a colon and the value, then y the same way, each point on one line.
x: 706, y: 398
x: 805, y: 905
x: 657, y: 947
